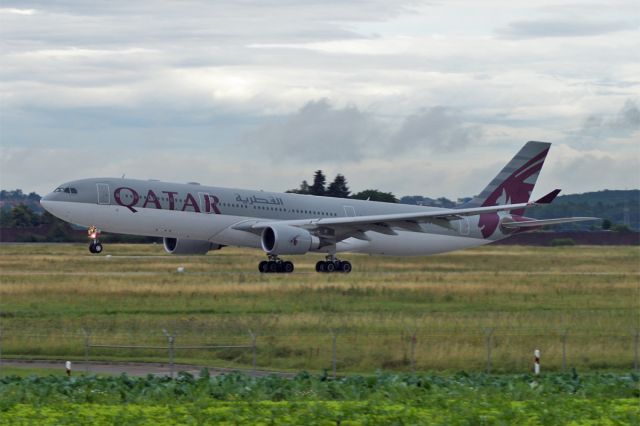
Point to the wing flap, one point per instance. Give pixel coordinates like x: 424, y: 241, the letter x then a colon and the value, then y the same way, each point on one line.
x: 543, y: 222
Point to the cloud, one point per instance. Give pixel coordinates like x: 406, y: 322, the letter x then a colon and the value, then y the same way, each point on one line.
x: 623, y: 123
x: 320, y: 132
x: 628, y: 117
x: 575, y: 169
x: 563, y: 28
x: 438, y: 129
x: 25, y: 12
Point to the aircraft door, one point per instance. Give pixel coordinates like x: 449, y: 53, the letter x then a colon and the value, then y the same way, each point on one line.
x: 104, y: 196
x: 350, y: 211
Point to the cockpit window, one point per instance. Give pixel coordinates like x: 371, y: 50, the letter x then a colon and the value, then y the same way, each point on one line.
x: 66, y: 190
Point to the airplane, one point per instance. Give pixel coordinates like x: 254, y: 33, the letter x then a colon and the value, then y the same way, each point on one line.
x: 193, y: 219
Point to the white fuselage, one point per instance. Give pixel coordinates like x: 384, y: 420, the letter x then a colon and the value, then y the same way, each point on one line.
x: 194, y: 212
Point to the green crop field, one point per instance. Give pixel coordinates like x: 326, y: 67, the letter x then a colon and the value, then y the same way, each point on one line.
x: 383, y: 399
x: 526, y: 297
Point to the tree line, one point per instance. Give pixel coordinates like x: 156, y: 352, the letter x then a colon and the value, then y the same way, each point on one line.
x: 339, y: 189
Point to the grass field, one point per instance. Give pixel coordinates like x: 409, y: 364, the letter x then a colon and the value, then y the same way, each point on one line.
x: 528, y: 296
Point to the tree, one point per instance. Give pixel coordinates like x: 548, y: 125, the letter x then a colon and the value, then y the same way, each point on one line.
x: 59, y: 232
x: 606, y: 224
x: 620, y: 228
x: 5, y: 217
x: 304, y: 188
x: 338, y: 188
x: 23, y: 217
x: 375, y: 195
x: 319, y: 181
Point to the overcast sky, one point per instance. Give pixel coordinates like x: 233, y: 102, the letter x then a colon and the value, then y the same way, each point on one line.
x: 429, y: 98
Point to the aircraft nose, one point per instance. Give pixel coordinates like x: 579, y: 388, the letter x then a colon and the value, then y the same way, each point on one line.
x: 47, y: 202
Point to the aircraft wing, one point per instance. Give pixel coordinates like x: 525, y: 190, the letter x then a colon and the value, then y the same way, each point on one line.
x: 340, y: 228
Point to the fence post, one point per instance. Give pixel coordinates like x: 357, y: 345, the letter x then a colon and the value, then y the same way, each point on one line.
x: 86, y: 350
x: 536, y: 362
x: 636, y: 340
x: 253, y: 349
x: 1, y: 349
x: 489, y: 342
x: 170, y: 340
x: 333, y: 352
x: 564, y: 350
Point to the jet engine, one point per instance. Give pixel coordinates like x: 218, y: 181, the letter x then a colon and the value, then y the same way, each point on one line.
x: 182, y: 246
x: 287, y: 239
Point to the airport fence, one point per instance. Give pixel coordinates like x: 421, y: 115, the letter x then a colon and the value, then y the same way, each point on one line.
x: 336, y: 351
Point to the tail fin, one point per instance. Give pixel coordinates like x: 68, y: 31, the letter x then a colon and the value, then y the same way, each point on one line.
x: 515, y: 182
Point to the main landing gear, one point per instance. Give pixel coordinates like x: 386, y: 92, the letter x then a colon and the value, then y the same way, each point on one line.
x: 94, y: 247
x: 332, y: 264
x: 275, y: 265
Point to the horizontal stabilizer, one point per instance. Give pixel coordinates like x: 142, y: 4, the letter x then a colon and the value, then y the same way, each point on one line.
x: 547, y: 199
x: 543, y: 222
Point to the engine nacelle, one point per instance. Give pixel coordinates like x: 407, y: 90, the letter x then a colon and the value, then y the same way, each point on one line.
x: 182, y: 246
x: 287, y: 239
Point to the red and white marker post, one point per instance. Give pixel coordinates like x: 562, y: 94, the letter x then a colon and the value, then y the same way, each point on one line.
x: 536, y: 362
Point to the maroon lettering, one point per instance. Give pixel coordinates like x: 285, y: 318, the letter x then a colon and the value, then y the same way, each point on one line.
x: 211, y: 204
x: 119, y: 198
x: 151, y: 198
x: 189, y: 201
x: 172, y: 201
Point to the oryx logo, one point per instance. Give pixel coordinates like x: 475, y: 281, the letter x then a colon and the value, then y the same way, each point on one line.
x: 515, y: 189
x: 294, y: 240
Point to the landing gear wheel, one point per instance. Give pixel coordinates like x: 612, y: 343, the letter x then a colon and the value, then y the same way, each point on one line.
x: 333, y: 265
x: 287, y: 267
x: 274, y: 264
x: 94, y: 246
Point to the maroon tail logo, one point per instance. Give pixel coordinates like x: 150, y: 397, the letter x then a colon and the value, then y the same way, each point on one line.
x: 513, y: 190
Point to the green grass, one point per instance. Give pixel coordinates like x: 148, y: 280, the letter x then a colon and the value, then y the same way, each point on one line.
x: 28, y: 371
x: 529, y: 296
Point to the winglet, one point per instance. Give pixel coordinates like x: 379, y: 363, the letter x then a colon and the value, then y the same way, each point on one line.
x: 547, y: 199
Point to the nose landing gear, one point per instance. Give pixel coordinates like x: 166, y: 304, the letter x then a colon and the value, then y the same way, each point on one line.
x: 95, y: 246
x: 333, y: 264
x: 275, y: 265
